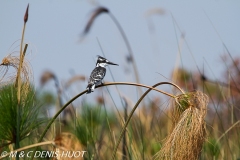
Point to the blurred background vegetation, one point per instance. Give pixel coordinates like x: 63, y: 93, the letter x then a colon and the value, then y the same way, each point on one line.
x: 94, y: 126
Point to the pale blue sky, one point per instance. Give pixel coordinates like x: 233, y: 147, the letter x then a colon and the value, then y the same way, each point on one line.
x: 54, y: 26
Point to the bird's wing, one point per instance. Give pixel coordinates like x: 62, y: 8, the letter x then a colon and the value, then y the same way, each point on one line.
x: 97, y: 75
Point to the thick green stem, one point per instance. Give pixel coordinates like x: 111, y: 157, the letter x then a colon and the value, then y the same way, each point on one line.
x: 106, y: 84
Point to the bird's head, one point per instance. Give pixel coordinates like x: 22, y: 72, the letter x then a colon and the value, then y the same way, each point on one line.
x: 102, y: 62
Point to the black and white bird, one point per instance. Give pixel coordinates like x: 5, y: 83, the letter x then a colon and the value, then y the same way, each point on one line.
x: 98, y: 73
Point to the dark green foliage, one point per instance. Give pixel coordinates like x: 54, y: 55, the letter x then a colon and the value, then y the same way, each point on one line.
x: 28, y: 113
x: 91, y: 128
x: 89, y: 123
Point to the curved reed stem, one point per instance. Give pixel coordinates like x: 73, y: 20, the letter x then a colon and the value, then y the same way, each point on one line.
x: 133, y: 110
x: 105, y: 84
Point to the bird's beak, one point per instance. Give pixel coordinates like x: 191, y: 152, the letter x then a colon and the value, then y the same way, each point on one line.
x: 111, y: 63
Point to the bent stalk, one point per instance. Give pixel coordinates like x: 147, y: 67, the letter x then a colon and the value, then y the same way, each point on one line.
x: 108, y: 84
x: 133, y: 110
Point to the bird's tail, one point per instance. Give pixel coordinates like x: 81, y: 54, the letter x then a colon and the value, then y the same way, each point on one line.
x: 89, y: 88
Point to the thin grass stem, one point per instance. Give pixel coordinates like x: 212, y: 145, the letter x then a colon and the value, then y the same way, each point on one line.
x: 227, y: 131
x: 128, y: 48
x: 131, y: 114
x: 18, y: 85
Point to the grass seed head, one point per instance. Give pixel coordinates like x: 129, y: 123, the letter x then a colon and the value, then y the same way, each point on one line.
x: 26, y: 72
x: 155, y: 11
x: 188, y: 135
x: 47, y: 76
x: 26, y: 15
x: 95, y: 13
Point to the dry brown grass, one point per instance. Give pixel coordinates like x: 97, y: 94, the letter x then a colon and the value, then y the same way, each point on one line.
x: 26, y: 72
x: 188, y: 135
x: 76, y: 78
x: 67, y: 143
x: 47, y: 76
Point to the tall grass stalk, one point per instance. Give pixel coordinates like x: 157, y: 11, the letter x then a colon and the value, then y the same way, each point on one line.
x: 101, y: 10
x: 219, y: 84
x: 179, y: 56
x: 216, y: 107
x: 110, y: 71
x: 219, y: 117
x: 230, y: 128
x: 124, y: 145
x: 130, y: 52
x: 183, y: 38
x: 179, y: 47
x: 22, y: 54
x: 224, y: 45
x: 114, y: 81
x: 18, y: 81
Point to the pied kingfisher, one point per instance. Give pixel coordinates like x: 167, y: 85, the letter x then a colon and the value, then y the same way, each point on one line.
x: 98, y: 73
